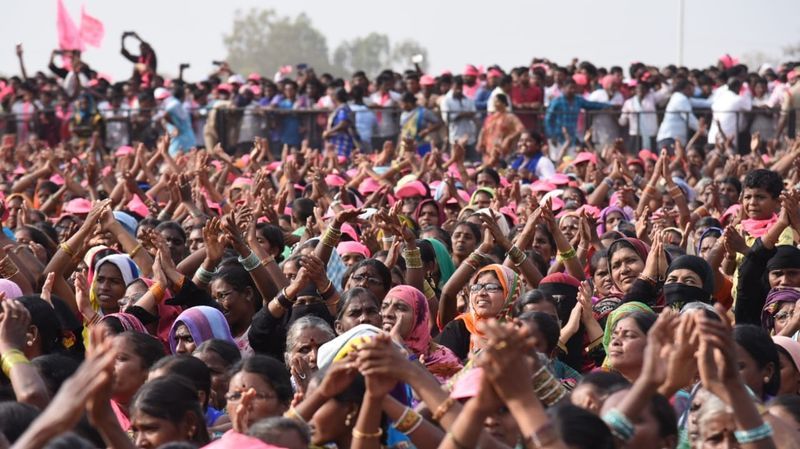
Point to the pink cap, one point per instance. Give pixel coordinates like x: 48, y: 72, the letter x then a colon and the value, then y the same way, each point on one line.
x: 57, y: 180
x: 584, y: 156
x: 464, y: 196
x: 647, y: 154
x: 78, y: 206
x: 542, y: 186
x: 272, y: 166
x: 791, y: 346
x: 254, y: 77
x: 136, y: 205
x: 580, y: 79
x: 349, y: 230
x: 559, y: 179
x: 470, y: 70
x: 160, y: 93
x: 556, y: 202
x: 368, y: 185
x: 241, y: 182
x: 427, y: 80
x: 334, y: 180
x: 793, y: 74
x: 411, y: 189
x: 124, y: 151
x: 352, y: 248
x: 225, y: 86
x: 608, y: 81
x: 494, y: 73
x: 235, y: 440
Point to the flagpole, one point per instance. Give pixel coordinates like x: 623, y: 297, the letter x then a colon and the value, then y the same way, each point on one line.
x: 681, y: 7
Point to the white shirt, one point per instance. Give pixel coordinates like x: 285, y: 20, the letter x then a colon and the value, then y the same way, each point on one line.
x: 604, y: 125
x: 551, y: 93
x: 388, y: 121
x: 545, y: 168
x: 640, y: 116
x: 458, y: 128
x: 496, y: 92
x: 727, y: 108
x: 678, y: 117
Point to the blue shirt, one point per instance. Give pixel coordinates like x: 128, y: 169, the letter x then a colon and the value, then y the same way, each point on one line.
x: 290, y: 124
x: 180, y: 120
x: 564, y: 114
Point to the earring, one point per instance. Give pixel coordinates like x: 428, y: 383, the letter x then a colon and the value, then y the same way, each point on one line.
x: 348, y: 420
x: 191, y: 432
x: 30, y: 342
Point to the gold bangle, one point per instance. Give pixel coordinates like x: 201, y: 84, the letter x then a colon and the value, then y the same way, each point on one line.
x: 568, y: 254
x: 158, y: 291
x: 65, y: 247
x: 443, y: 408
x: 408, y: 422
x: 12, y: 358
x: 135, y: 251
x: 293, y: 414
x: 358, y: 434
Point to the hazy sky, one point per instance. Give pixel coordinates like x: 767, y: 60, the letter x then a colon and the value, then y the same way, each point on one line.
x: 505, y: 32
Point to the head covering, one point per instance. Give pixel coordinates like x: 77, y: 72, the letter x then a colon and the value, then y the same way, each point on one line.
x: 10, y: 288
x: 127, y: 321
x: 439, y: 210
x: 608, y: 81
x: 353, y: 248
x: 160, y: 93
x: 512, y: 287
x: 563, y: 288
x: 791, y: 346
x: 775, y: 298
x: 470, y: 70
x: 677, y: 293
x: 641, y: 249
x: 77, y: 206
x: 126, y: 266
x: 786, y: 256
x: 487, y: 190
x: 709, y: 232
x: 601, y: 226
x: 411, y: 189
x: 419, y: 339
x: 340, y: 346
x: 204, y: 323
x: 127, y: 221
x: 614, y: 317
x: 236, y: 440
x: 443, y: 260
x: 427, y: 80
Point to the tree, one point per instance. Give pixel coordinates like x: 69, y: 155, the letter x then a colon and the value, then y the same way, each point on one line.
x: 405, y: 50
x: 262, y: 42
x: 370, y: 54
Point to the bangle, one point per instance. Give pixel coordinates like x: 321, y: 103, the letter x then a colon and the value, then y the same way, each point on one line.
x: 456, y: 443
x: 361, y: 435
x: 65, y: 247
x: 284, y: 300
x: 428, y: 290
x: 541, y: 437
x: 250, y: 263
x: 179, y: 284
x: 648, y: 279
x: 204, y: 275
x: 331, y: 237
x: 12, y: 358
x: 516, y: 255
x: 568, y: 254
x: 409, y: 421
x: 443, y: 408
x: 267, y: 260
x: 158, y: 291
x: 608, y: 182
x: 134, y: 251
x: 413, y: 258
x: 619, y: 424
x: 293, y: 414
x: 388, y: 239
x: 761, y: 432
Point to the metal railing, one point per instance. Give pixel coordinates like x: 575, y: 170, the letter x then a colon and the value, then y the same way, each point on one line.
x: 237, y: 127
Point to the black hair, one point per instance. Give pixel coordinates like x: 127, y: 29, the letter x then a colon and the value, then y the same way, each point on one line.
x: 341, y: 95
x: 357, y: 94
x: 149, y: 222
x: 55, y: 369
x: 441, y: 235
x: 764, y: 179
x: 270, y: 429
x: 492, y: 173
x: 681, y: 84
x: 227, y: 350
x: 427, y: 253
x: 502, y: 98
x: 473, y: 228
x: 274, y: 235
x: 605, y: 382
x: 409, y: 98
x: 548, y: 326
x: 145, y: 346
x: 665, y: 416
x: 531, y: 297
x: 383, y: 272
x: 239, y: 279
x: 708, y: 222
x: 595, y: 260
x: 48, y: 230
x: 355, y: 292
x: 644, y: 319
x: 69, y: 440
x: 730, y: 180
x: 757, y: 342
x: 193, y: 369
x: 41, y: 238
x: 550, y: 239
x: 171, y: 398
x: 15, y: 417
x: 172, y: 225
x: 302, y: 208
x: 44, y: 317
x: 790, y: 402
x: 580, y: 428
x: 272, y: 371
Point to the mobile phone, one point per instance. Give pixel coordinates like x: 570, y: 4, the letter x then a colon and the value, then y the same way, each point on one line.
x: 217, y: 62
x: 184, y: 66
x: 418, y: 58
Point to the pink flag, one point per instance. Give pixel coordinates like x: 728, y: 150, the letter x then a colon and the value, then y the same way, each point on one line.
x: 69, y: 37
x: 92, y: 30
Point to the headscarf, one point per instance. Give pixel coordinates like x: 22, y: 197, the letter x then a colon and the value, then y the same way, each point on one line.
x: 512, y: 287
x: 757, y: 228
x: 342, y: 345
x: 775, y: 297
x: 791, y: 347
x: 443, y: 260
x: 708, y: 233
x: 439, y: 210
x: 566, y: 286
x: 91, y: 257
x: 352, y: 248
x: 786, y: 256
x: 10, y: 288
x: 167, y: 314
x: 601, y: 226
x: 678, y: 294
x: 127, y: 321
x: 127, y: 268
x: 488, y: 190
x: 638, y: 246
x: 614, y: 317
x: 204, y: 323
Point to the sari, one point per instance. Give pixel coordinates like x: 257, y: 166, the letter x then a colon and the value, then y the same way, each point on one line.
x: 443, y: 260
x: 127, y: 321
x: 512, y: 288
x: 438, y: 359
x: 614, y: 317
x: 204, y: 323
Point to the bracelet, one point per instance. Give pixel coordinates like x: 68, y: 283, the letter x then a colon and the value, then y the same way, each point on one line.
x: 648, y: 279
x: 293, y: 414
x: 358, y: 434
x: 204, y: 275
x: 284, y: 300
x: 471, y: 263
x: 650, y: 189
x: 267, y: 260
x: 408, y: 422
x: 428, y: 290
x: 413, y: 258
x: 11, y: 358
x: 134, y: 251
x: 64, y: 247
x: 608, y: 182
x: 158, y: 291
x: 456, y: 443
x: 179, y: 284
x: 7, y: 268
x: 331, y: 237
x: 619, y: 424
x: 250, y: 263
x: 443, y: 408
x: 516, y: 255
x: 568, y: 254
x: 761, y: 432
x: 541, y: 437
x: 389, y: 239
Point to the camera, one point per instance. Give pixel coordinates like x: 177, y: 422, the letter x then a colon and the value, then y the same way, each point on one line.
x: 183, y: 66
x: 217, y: 62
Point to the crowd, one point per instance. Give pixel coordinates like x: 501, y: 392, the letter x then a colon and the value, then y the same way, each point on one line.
x: 452, y: 262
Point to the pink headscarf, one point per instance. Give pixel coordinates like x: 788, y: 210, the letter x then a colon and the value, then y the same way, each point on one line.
x: 608, y: 81
x: 10, y: 288
x: 353, y: 248
x: 166, y: 314
x: 127, y: 321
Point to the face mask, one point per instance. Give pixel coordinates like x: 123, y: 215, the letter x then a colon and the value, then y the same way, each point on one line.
x: 682, y: 293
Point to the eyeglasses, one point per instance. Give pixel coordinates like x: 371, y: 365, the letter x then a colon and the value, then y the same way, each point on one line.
x: 491, y: 287
x: 236, y: 396
x: 368, y: 279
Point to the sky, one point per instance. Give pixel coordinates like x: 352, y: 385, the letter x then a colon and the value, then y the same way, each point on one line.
x: 504, y: 32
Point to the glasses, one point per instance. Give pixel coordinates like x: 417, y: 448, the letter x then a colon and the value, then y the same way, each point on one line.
x: 236, y: 396
x: 368, y: 279
x: 490, y: 287
x: 223, y: 296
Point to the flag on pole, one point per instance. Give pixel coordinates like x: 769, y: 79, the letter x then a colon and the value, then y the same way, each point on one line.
x: 92, y: 29
x: 69, y: 38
